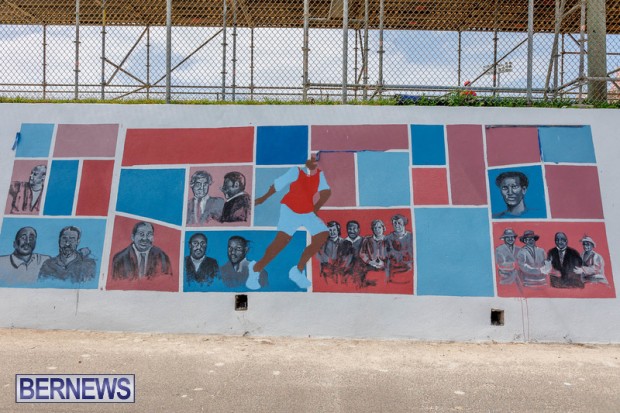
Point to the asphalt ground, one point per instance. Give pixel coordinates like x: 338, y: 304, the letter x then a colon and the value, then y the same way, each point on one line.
x: 195, y: 373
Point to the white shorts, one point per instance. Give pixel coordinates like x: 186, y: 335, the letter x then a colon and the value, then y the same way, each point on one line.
x: 290, y: 221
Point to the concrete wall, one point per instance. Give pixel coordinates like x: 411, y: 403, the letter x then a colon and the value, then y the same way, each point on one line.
x: 112, y: 166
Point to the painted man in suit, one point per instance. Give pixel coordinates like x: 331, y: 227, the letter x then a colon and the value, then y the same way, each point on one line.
x: 23, y: 265
x: 70, y: 264
x: 564, y: 260
x: 238, y: 202
x: 141, y: 259
x: 198, y: 267
x: 26, y: 196
x: 328, y: 253
x: 533, y: 268
x: 202, y: 208
x: 506, y: 257
x: 235, y: 273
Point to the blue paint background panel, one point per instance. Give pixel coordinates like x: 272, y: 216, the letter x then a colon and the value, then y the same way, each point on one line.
x: 281, y: 145
x: 36, y: 139
x: 152, y: 193
x: 268, y: 213
x: 453, y: 252
x: 383, y: 178
x: 428, y: 145
x: 61, y: 188
x: 48, y: 230
x: 534, y: 196
x: 277, y: 270
x: 566, y: 144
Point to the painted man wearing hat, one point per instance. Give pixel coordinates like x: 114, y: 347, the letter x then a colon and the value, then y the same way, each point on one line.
x: 564, y: 259
x: 506, y: 257
x: 593, y: 269
x: 532, y: 264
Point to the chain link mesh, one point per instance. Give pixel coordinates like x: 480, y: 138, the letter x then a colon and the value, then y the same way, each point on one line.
x: 235, y: 50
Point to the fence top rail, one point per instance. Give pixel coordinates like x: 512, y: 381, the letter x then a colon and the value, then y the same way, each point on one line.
x: 441, y: 15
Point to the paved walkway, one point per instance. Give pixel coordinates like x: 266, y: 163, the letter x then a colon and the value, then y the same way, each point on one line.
x: 191, y: 373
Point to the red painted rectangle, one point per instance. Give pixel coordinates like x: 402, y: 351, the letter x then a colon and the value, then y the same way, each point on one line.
x: 86, y: 141
x: 339, y: 170
x: 359, y: 137
x: 430, y: 186
x: 467, y: 168
x: 188, y: 146
x: 95, y: 184
x: 574, y: 191
x: 512, y: 145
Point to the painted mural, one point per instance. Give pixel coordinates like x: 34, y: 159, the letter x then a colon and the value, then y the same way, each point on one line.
x: 452, y: 210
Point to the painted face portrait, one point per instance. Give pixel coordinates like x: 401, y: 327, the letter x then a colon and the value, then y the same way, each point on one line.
x: 530, y: 241
x: 333, y: 231
x: 198, y: 246
x: 378, y: 229
x: 37, y: 176
x: 200, y: 188
x: 230, y: 189
x: 353, y: 230
x: 143, y: 238
x: 236, y: 251
x: 399, y: 226
x: 512, y: 191
x: 561, y: 241
x: 588, y: 246
x: 68, y: 243
x: 25, y: 242
x: 510, y: 240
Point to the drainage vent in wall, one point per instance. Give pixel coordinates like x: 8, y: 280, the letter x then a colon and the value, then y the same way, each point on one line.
x: 497, y: 317
x: 241, y: 302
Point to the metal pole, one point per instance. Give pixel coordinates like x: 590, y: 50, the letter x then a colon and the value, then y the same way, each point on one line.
x: 355, y: 67
x: 234, y: 51
x: 77, y: 47
x: 224, y: 12
x: 582, y: 49
x: 495, y: 61
x: 365, y: 54
x: 597, y: 50
x: 559, y: 11
x: 148, y: 62
x: 252, y: 63
x: 103, y: 33
x: 381, y: 7
x: 305, y: 49
x: 168, y: 48
x: 458, y: 70
x: 44, y: 61
x: 562, y: 62
x: 345, y: 47
x: 530, y: 48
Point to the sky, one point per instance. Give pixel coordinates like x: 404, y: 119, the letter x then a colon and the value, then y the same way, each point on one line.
x: 410, y: 58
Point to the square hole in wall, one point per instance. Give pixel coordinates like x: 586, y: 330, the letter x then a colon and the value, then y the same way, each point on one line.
x: 497, y: 317
x: 241, y: 302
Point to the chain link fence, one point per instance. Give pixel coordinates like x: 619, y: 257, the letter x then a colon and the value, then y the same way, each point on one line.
x: 236, y: 50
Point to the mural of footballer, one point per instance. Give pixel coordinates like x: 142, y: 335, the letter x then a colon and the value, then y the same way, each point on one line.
x: 297, y: 209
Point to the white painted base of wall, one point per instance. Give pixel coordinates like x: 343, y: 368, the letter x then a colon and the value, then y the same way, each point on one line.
x: 321, y: 314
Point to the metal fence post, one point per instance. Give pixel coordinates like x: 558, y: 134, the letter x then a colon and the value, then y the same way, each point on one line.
x: 345, y: 47
x: 224, y: 11
x: 44, y: 61
x: 252, y: 63
x: 77, y: 48
x: 168, y: 48
x: 148, y: 62
x: 381, y: 51
x: 305, y: 49
x: 597, y: 50
x: 103, y: 33
x: 530, y: 48
x: 234, y: 52
x: 365, y: 55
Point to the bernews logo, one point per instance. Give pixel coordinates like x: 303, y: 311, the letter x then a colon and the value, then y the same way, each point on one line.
x: 74, y: 388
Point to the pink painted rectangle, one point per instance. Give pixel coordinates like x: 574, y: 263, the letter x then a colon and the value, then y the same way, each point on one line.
x: 512, y: 145
x: 359, y: 137
x: 467, y: 168
x: 574, y: 191
x: 91, y: 141
x: 339, y: 170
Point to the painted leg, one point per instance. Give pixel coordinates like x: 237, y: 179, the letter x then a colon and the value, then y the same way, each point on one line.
x: 281, y: 240
x: 298, y: 273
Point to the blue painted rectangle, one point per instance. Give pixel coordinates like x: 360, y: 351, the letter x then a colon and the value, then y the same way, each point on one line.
x: 61, y: 188
x: 268, y: 213
x: 281, y: 145
x: 152, y: 193
x: 35, y: 140
x: 566, y: 144
x: 383, y: 178
x: 453, y: 252
x: 428, y: 145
